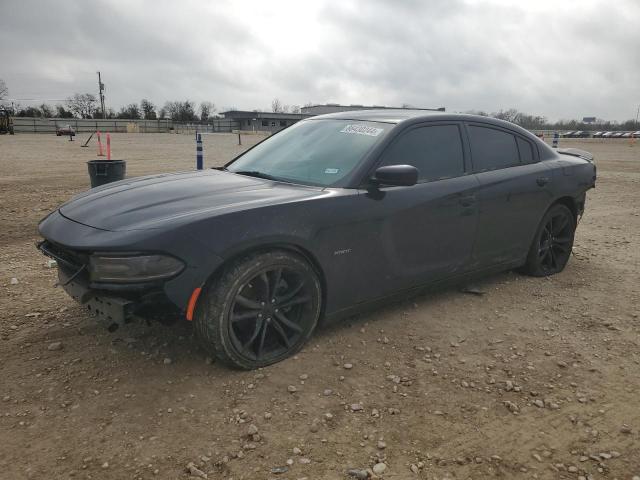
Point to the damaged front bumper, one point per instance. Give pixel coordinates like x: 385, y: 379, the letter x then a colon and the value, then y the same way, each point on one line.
x: 112, y: 304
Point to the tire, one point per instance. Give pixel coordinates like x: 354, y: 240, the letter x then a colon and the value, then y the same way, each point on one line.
x: 552, y: 244
x: 237, y: 324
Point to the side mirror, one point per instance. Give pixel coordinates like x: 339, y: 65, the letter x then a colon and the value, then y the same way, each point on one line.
x: 396, y: 175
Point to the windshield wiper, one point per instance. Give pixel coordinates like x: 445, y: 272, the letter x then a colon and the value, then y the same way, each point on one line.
x: 257, y: 174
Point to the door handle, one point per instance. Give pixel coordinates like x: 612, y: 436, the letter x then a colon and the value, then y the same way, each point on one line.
x: 542, y: 181
x: 467, y: 201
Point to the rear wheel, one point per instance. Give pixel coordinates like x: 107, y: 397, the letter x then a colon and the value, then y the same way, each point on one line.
x: 552, y: 245
x: 260, y: 310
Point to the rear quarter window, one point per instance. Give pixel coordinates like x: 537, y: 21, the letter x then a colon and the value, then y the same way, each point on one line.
x: 526, y: 151
x: 492, y: 149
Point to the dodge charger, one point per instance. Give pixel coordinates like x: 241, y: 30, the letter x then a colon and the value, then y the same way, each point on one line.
x: 331, y: 214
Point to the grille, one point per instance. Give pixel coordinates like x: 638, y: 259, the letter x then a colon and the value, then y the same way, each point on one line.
x: 67, y: 257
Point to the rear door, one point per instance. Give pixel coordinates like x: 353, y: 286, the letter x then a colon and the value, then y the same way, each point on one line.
x: 424, y: 232
x: 514, y: 193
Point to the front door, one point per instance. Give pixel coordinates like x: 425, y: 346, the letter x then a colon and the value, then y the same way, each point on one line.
x: 424, y: 232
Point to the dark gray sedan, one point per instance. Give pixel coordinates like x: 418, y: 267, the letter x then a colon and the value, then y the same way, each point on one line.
x: 329, y: 215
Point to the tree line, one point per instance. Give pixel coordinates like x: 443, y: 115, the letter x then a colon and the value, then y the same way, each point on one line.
x: 537, y: 122
x: 85, y: 105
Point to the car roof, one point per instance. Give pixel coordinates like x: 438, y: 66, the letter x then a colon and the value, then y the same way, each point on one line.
x: 405, y: 116
x: 386, y: 115
x: 409, y: 116
x: 412, y: 116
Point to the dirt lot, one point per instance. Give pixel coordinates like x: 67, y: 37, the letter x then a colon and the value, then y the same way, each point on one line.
x: 536, y: 378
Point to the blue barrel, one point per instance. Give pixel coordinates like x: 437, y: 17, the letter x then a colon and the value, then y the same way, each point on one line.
x: 199, y: 160
x: 556, y: 136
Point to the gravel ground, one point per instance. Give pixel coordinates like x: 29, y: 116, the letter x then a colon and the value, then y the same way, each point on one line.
x: 532, y: 378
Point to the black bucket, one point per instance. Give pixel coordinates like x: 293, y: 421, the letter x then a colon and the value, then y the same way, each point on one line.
x: 106, y: 171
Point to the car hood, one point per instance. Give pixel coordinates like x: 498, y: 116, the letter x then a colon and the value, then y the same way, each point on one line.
x: 155, y: 201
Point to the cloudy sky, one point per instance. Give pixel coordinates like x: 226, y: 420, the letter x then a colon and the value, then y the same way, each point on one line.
x: 562, y: 59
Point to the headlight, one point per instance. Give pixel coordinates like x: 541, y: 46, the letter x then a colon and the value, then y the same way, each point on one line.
x: 134, y: 268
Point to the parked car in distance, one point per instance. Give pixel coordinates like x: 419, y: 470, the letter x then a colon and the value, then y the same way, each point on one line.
x: 567, y: 134
x: 65, y: 130
x: 580, y: 134
x: 626, y: 135
x: 320, y: 219
x: 597, y: 134
x: 607, y: 134
x: 617, y: 134
x: 636, y: 134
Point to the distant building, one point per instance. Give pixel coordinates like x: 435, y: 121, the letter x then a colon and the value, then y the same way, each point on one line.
x: 334, y: 107
x: 272, y: 122
x: 263, y: 121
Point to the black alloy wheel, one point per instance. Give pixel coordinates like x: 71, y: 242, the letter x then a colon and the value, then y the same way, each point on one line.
x: 262, y: 310
x: 553, y: 244
x: 270, y: 313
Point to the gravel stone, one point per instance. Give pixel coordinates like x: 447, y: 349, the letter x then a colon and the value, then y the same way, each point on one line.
x: 379, y: 468
x: 54, y: 346
x: 358, y: 473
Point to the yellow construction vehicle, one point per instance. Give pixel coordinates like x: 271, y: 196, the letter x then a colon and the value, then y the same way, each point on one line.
x: 6, y: 121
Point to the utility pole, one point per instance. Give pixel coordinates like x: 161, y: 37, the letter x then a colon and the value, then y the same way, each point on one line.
x: 101, y: 91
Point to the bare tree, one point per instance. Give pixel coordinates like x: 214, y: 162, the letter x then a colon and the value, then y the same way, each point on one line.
x: 181, y: 111
x: 62, y: 112
x: 131, y: 111
x: 82, y: 104
x: 295, y: 109
x: 148, y: 109
x: 47, y: 111
x: 276, y: 105
x: 206, y: 110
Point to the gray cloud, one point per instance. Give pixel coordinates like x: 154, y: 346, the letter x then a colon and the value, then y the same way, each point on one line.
x: 559, y: 59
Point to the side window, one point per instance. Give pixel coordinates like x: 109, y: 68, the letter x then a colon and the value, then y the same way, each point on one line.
x: 526, y: 151
x: 435, y: 151
x: 492, y: 149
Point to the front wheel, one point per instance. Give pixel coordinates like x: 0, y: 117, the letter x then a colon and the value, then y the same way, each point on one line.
x: 552, y: 245
x: 262, y: 309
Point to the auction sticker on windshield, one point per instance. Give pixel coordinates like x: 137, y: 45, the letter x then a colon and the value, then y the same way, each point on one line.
x: 362, y: 130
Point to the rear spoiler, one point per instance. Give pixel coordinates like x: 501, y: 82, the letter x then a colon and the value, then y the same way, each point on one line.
x: 576, y: 152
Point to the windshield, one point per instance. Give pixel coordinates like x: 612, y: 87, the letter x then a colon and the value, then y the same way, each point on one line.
x: 313, y: 152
